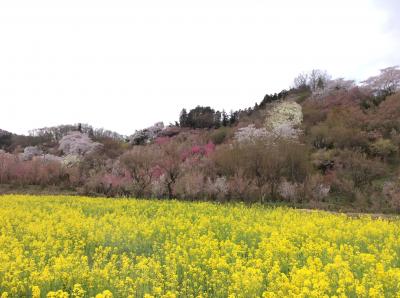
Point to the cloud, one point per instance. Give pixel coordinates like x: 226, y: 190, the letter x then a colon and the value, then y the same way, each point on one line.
x: 125, y: 65
x: 391, y: 9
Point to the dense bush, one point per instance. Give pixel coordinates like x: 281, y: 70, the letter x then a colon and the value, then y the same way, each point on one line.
x: 5, y: 139
x: 139, y: 162
x: 37, y: 171
x: 261, y: 166
x: 200, y: 117
x: 219, y: 135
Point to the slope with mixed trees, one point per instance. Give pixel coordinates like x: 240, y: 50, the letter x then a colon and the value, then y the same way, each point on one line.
x: 325, y: 143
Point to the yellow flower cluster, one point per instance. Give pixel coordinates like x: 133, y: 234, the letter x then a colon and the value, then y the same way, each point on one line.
x: 56, y: 246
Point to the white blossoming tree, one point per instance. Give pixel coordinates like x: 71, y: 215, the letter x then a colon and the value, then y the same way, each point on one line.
x: 334, y: 85
x: 146, y: 135
x: 250, y: 134
x: 76, y: 143
x: 386, y: 83
x: 283, y: 120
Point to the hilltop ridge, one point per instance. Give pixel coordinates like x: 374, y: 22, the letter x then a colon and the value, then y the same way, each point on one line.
x: 325, y: 143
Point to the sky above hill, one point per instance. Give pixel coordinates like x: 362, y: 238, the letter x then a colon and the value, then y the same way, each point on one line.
x: 124, y: 65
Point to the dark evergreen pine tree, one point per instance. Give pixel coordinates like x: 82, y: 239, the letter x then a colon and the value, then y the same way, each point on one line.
x: 183, y: 118
x: 225, y: 118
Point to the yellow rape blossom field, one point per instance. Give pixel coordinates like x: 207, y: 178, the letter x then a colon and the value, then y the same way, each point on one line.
x: 59, y: 246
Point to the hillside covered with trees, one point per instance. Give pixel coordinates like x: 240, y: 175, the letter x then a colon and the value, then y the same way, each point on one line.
x: 325, y: 143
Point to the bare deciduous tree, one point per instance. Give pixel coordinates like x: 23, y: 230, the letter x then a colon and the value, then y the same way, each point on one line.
x: 139, y: 162
x: 169, y: 160
x: 316, y: 80
x: 301, y: 81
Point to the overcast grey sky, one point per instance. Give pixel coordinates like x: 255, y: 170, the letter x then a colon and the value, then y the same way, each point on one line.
x: 124, y: 65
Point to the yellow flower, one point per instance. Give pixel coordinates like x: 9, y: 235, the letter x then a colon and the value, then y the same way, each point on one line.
x: 145, y: 248
x: 105, y: 294
x: 58, y: 294
x: 35, y: 292
x: 78, y: 291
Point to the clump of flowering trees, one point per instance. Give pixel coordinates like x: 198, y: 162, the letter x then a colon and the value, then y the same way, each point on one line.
x: 37, y: 171
x: 147, y: 135
x: 386, y: 83
x: 328, y: 148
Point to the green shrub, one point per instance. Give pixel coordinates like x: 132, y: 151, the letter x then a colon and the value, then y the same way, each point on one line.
x: 219, y: 135
x: 383, y: 148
